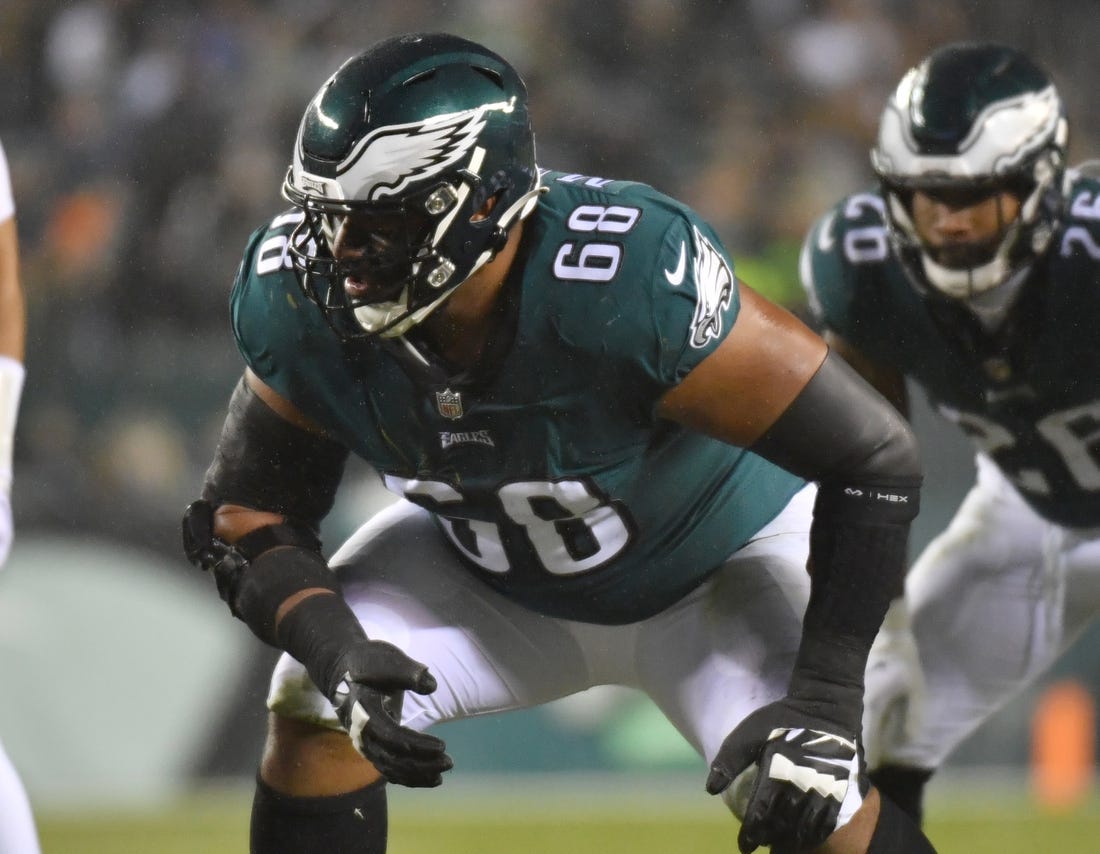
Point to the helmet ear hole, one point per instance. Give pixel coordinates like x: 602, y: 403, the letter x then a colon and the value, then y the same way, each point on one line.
x: 485, y: 209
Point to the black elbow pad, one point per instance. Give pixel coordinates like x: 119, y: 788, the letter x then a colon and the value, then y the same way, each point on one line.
x: 257, y: 573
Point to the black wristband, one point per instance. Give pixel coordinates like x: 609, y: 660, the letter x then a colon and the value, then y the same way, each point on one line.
x: 267, y: 580
x: 897, y: 833
x: 317, y: 632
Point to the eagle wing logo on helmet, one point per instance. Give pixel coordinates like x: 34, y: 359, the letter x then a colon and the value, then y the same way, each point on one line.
x: 714, y: 290
x: 388, y: 160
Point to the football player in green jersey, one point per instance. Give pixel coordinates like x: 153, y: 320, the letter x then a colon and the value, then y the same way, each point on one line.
x: 614, y: 462
x: 973, y: 271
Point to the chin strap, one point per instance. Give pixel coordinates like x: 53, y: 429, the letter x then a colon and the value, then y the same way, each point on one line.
x: 972, y: 281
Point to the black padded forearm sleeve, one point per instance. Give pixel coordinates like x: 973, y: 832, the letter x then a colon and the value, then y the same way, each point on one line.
x: 843, y: 434
x: 265, y: 462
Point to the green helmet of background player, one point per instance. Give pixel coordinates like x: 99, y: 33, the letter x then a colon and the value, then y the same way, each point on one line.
x: 412, y: 137
x: 972, y: 120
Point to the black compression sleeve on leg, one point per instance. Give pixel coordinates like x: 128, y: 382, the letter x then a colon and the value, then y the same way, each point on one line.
x: 354, y: 823
x: 904, y: 786
x: 896, y: 833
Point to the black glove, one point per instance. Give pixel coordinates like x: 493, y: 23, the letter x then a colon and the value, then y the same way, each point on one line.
x: 369, y: 684
x: 795, y: 764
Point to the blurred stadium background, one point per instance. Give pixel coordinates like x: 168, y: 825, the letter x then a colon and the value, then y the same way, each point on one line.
x: 147, y: 138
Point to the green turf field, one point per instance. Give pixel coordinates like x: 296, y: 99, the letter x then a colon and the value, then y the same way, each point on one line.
x: 485, y: 822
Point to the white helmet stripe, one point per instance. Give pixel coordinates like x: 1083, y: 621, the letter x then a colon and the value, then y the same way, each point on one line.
x: 1004, y: 134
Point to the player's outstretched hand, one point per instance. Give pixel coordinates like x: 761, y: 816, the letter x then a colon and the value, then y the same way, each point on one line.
x: 372, y: 678
x: 790, y: 777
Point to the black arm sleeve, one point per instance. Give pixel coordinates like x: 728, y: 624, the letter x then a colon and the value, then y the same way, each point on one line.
x: 843, y: 434
x: 839, y: 429
x: 265, y: 462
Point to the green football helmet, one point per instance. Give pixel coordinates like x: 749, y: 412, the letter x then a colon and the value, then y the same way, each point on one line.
x: 410, y: 139
x: 972, y: 120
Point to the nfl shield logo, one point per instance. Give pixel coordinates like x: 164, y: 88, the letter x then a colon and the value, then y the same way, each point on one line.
x: 449, y: 403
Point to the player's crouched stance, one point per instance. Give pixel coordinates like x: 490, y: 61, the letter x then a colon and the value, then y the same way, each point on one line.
x: 559, y: 376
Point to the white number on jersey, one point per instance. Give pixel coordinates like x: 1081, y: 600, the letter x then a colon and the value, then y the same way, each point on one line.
x: 274, y: 253
x: 571, y: 527
x: 870, y: 243
x: 594, y: 261
x: 1073, y: 433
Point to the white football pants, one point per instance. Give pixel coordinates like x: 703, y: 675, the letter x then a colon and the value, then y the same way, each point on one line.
x: 992, y: 602
x: 707, y: 662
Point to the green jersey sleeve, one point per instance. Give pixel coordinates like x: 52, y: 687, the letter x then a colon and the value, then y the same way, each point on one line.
x: 639, y: 284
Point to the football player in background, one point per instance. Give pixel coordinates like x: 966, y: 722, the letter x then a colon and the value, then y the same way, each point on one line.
x: 974, y: 270
x: 558, y: 374
x: 17, y: 832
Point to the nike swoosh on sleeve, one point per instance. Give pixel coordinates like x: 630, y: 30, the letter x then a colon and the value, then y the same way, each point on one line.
x: 676, y: 277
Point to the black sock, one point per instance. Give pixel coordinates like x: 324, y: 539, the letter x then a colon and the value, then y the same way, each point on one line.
x: 896, y: 833
x: 353, y: 823
x: 904, y: 786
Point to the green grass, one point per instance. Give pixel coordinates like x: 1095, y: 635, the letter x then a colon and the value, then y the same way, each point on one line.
x: 581, y: 820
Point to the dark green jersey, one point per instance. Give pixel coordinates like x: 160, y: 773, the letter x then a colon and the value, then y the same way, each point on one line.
x: 1028, y: 393
x: 546, y: 466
